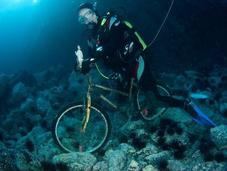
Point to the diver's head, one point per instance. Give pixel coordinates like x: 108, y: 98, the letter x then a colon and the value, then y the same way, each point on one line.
x: 87, y: 14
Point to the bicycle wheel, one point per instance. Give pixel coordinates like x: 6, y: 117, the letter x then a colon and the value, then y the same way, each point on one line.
x: 67, y: 129
x: 148, y: 106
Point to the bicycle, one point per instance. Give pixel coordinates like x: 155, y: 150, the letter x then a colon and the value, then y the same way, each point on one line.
x: 86, y: 127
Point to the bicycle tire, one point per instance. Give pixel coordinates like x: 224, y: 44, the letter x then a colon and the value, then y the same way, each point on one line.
x: 158, y: 111
x: 68, y: 136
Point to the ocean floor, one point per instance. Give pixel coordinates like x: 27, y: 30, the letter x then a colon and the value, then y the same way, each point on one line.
x: 30, y: 102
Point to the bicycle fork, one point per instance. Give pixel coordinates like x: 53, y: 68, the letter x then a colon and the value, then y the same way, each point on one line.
x: 87, y: 110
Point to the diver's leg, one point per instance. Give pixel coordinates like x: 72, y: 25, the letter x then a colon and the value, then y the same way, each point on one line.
x: 148, y: 83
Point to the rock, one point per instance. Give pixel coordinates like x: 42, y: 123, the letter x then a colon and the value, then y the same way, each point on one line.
x: 224, y: 96
x: 4, y: 87
x: 19, y: 92
x: 177, y: 115
x: 77, y: 82
x: 149, y: 168
x: 132, y: 126
x: 25, y: 77
x: 175, y: 165
x: 28, y: 105
x: 133, y: 166
x: 208, y: 166
x: 57, y: 90
x: 214, y: 81
x: 43, y: 150
x: 26, y: 161
x: 42, y: 105
x: 7, y: 160
x: 100, y: 166
x: 190, y: 79
x: 219, y: 135
x: 76, y: 161
x: 2, y: 145
x: 116, y: 160
x: 141, y: 133
x: 40, y: 143
x: 127, y: 149
x: 178, y: 81
x: 5, y: 91
x: 223, y: 107
x: 147, y: 151
x: 155, y: 159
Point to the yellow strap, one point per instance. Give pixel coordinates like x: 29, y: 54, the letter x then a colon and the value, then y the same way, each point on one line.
x: 101, y: 72
x: 128, y: 24
x: 103, y: 21
x: 137, y: 35
x: 141, y: 40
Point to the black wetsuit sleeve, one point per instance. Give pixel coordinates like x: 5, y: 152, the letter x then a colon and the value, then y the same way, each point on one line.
x: 109, y: 42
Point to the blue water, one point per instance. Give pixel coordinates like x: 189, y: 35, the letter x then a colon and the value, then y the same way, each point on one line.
x: 38, y: 34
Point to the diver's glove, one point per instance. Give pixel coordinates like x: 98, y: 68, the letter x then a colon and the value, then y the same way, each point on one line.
x: 82, y: 65
x: 196, y: 113
x: 79, y: 59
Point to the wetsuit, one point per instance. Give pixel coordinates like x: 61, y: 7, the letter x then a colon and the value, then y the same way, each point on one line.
x: 120, y: 46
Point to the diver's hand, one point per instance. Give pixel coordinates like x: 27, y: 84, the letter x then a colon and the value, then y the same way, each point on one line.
x: 79, y: 58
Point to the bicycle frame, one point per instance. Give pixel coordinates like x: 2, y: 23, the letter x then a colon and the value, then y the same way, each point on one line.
x: 90, y: 88
x: 90, y: 112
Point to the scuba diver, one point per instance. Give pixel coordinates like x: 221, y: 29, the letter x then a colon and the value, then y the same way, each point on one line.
x: 121, y: 48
